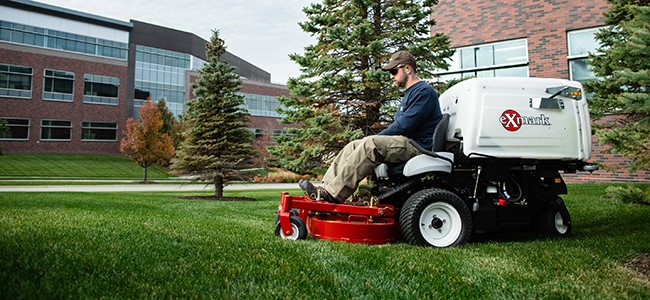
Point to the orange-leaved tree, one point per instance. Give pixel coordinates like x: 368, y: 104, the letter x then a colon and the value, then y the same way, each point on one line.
x: 144, y: 141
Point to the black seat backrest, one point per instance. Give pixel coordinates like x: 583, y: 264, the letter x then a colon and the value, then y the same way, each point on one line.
x: 440, y: 134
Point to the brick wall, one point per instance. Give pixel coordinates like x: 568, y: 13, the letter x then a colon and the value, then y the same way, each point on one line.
x: 614, y: 166
x: 37, y: 109
x: 544, y: 24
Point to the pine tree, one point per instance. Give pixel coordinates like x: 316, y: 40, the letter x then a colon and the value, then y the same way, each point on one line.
x: 342, y: 94
x: 171, y: 126
x: 144, y: 141
x: 217, y: 143
x: 622, y: 85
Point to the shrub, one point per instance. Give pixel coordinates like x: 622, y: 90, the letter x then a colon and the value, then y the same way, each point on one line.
x: 629, y: 194
x: 279, y: 176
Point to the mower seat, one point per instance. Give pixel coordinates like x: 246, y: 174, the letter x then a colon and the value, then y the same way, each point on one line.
x: 386, y: 170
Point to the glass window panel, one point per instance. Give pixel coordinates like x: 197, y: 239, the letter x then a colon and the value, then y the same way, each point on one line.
x: 28, y: 38
x: 146, y: 57
x: 486, y: 73
x: 454, y: 62
x: 17, y: 129
x: 510, y: 53
x: 512, y: 72
x: 484, y: 56
x: 80, y: 47
x: 19, y: 82
x: 17, y: 37
x: 580, y: 71
x: 39, y: 40
x: 55, y: 130
x: 19, y: 69
x: 582, y: 42
x: 5, y: 34
x: 70, y: 45
x: 99, y: 131
x: 467, y: 59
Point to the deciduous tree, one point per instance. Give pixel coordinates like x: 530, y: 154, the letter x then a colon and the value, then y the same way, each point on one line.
x: 144, y: 141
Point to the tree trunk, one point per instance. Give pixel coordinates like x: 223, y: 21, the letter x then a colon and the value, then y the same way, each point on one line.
x: 218, y: 185
x: 145, y: 170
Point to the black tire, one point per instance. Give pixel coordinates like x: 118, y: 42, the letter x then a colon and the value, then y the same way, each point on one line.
x: 437, y: 218
x: 297, y: 225
x: 553, y: 219
x: 292, y: 212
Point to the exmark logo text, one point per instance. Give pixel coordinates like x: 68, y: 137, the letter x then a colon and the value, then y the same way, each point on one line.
x: 512, y: 120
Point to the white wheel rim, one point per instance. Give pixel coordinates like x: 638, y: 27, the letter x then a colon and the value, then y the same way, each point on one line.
x: 440, y: 224
x: 293, y: 236
x: 559, y: 224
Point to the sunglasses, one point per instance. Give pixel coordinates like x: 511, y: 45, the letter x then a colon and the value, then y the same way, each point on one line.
x: 394, y: 70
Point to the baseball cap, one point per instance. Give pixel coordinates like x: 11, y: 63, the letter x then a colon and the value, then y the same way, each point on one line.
x: 399, y: 58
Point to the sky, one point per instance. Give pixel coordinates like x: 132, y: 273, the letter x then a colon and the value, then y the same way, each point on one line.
x: 262, y: 32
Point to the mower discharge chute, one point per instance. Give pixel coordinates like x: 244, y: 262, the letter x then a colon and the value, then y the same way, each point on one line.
x: 495, y: 166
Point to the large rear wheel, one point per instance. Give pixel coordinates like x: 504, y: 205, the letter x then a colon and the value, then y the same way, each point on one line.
x: 553, y: 219
x: 435, y: 217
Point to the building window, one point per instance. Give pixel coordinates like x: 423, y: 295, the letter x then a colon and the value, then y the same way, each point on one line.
x: 56, y: 130
x: 57, y: 85
x: 160, y: 74
x: 257, y: 132
x: 15, y: 81
x: 54, y: 39
x: 100, y: 89
x: 98, y: 131
x: 261, y: 105
x: 509, y: 58
x: 17, y: 129
x: 581, y: 43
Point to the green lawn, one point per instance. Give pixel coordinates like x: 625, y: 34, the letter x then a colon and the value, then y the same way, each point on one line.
x: 155, y: 245
x: 87, y: 166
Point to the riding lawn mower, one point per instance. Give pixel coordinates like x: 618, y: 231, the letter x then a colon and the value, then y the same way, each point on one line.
x: 495, y: 166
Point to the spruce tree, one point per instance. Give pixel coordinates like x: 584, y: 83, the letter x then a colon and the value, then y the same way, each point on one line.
x: 342, y: 94
x: 622, y: 85
x: 217, y: 144
x: 171, y: 125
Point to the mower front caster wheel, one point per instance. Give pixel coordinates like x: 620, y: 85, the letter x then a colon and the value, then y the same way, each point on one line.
x: 297, y: 226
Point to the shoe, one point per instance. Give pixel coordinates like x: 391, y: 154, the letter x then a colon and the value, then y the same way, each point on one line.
x: 316, y: 193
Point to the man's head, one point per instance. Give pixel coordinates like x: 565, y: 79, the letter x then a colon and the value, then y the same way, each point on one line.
x: 401, y: 67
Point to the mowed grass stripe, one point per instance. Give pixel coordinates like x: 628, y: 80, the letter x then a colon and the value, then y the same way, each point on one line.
x: 74, y: 166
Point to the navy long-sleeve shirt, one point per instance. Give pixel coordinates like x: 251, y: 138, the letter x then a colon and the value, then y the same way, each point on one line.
x: 417, y: 115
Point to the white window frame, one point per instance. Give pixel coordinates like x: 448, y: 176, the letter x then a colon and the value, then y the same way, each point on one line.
x: 63, y: 95
x: 101, y: 79
x: 29, y: 127
x: 28, y: 93
x: 580, y: 56
x: 459, y: 71
x: 58, y: 126
x: 91, y: 127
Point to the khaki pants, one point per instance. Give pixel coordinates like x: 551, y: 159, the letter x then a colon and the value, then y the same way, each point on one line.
x: 358, y: 159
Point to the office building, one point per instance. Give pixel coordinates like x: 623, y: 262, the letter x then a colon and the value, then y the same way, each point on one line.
x: 69, y: 80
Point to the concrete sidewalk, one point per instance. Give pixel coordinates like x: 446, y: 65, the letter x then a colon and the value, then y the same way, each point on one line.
x: 145, y: 187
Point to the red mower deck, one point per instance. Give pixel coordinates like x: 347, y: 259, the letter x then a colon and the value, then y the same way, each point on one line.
x: 337, y: 222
